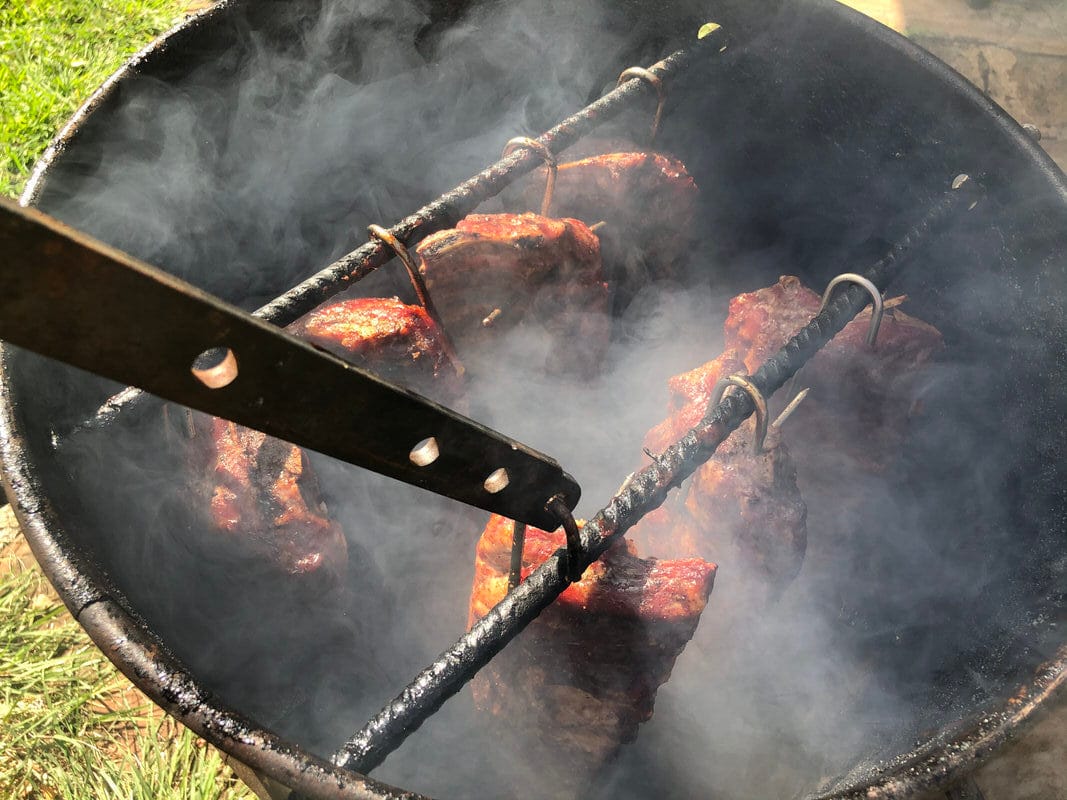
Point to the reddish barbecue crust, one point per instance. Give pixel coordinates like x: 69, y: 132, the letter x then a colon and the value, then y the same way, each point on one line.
x: 649, y: 189
x: 584, y: 674
x: 760, y: 322
x: 264, y: 495
x: 740, y: 508
x: 690, y: 393
x: 647, y: 201
x: 505, y: 270
x: 861, y: 396
x: 589, y: 146
x: 395, y: 341
x: 620, y: 584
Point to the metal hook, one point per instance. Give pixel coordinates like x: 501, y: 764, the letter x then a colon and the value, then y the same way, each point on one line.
x: 872, y: 290
x: 790, y: 408
x: 383, y: 235
x: 518, y: 541
x: 550, y: 163
x: 657, y: 84
x: 742, y: 382
x: 557, y: 506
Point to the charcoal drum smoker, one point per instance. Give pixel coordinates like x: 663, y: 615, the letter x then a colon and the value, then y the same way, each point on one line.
x: 255, y: 143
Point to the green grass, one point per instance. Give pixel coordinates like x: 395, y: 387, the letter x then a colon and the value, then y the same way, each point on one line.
x: 71, y: 727
x: 53, y: 53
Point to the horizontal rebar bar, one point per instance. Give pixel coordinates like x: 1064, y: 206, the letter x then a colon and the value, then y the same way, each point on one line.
x: 643, y: 493
x: 442, y: 213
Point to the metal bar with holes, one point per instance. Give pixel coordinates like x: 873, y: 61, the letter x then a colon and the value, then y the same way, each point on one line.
x: 449, y: 208
x: 134, y: 323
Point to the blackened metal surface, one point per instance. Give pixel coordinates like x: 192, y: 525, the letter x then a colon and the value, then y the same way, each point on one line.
x: 101, y: 610
x: 559, y: 509
x: 951, y: 755
x: 518, y: 542
x: 445, y: 211
x: 642, y: 494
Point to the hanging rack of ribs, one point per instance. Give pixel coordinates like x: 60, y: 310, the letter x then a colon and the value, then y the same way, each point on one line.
x: 743, y: 506
x: 444, y: 212
x: 645, y: 491
x: 494, y: 272
x: 865, y: 392
x: 577, y: 684
x: 263, y: 495
x: 648, y: 203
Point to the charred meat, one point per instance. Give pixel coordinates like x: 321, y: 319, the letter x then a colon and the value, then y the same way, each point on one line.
x: 494, y: 272
x: 396, y: 341
x: 263, y: 492
x: 266, y: 499
x: 861, y: 396
x: 647, y: 202
x: 740, y: 508
x: 690, y: 393
x: 584, y: 674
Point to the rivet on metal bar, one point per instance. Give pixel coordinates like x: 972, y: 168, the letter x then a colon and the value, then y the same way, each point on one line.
x: 550, y: 163
x: 518, y: 541
x: 657, y: 84
x: 419, y: 285
x: 876, y: 299
x: 743, y: 383
x: 574, y: 538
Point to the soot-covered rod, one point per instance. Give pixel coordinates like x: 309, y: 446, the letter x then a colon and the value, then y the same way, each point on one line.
x: 449, y: 208
x: 643, y: 493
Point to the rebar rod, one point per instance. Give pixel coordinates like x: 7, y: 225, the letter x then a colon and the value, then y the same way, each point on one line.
x: 518, y: 542
x: 643, y: 493
x: 442, y: 213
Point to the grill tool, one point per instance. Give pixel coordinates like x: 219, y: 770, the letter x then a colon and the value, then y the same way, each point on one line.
x: 136, y: 324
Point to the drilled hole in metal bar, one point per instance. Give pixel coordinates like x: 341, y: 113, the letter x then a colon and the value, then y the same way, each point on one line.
x: 497, y: 481
x: 215, y: 367
x: 425, y: 452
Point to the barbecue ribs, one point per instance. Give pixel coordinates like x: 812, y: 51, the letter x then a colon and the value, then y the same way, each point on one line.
x: 647, y: 202
x: 263, y: 493
x: 395, y: 341
x: 740, y: 508
x: 861, y: 396
x: 582, y: 677
x: 266, y: 497
x: 494, y: 272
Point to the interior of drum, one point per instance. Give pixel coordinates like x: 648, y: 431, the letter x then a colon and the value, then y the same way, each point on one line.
x: 264, y: 153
